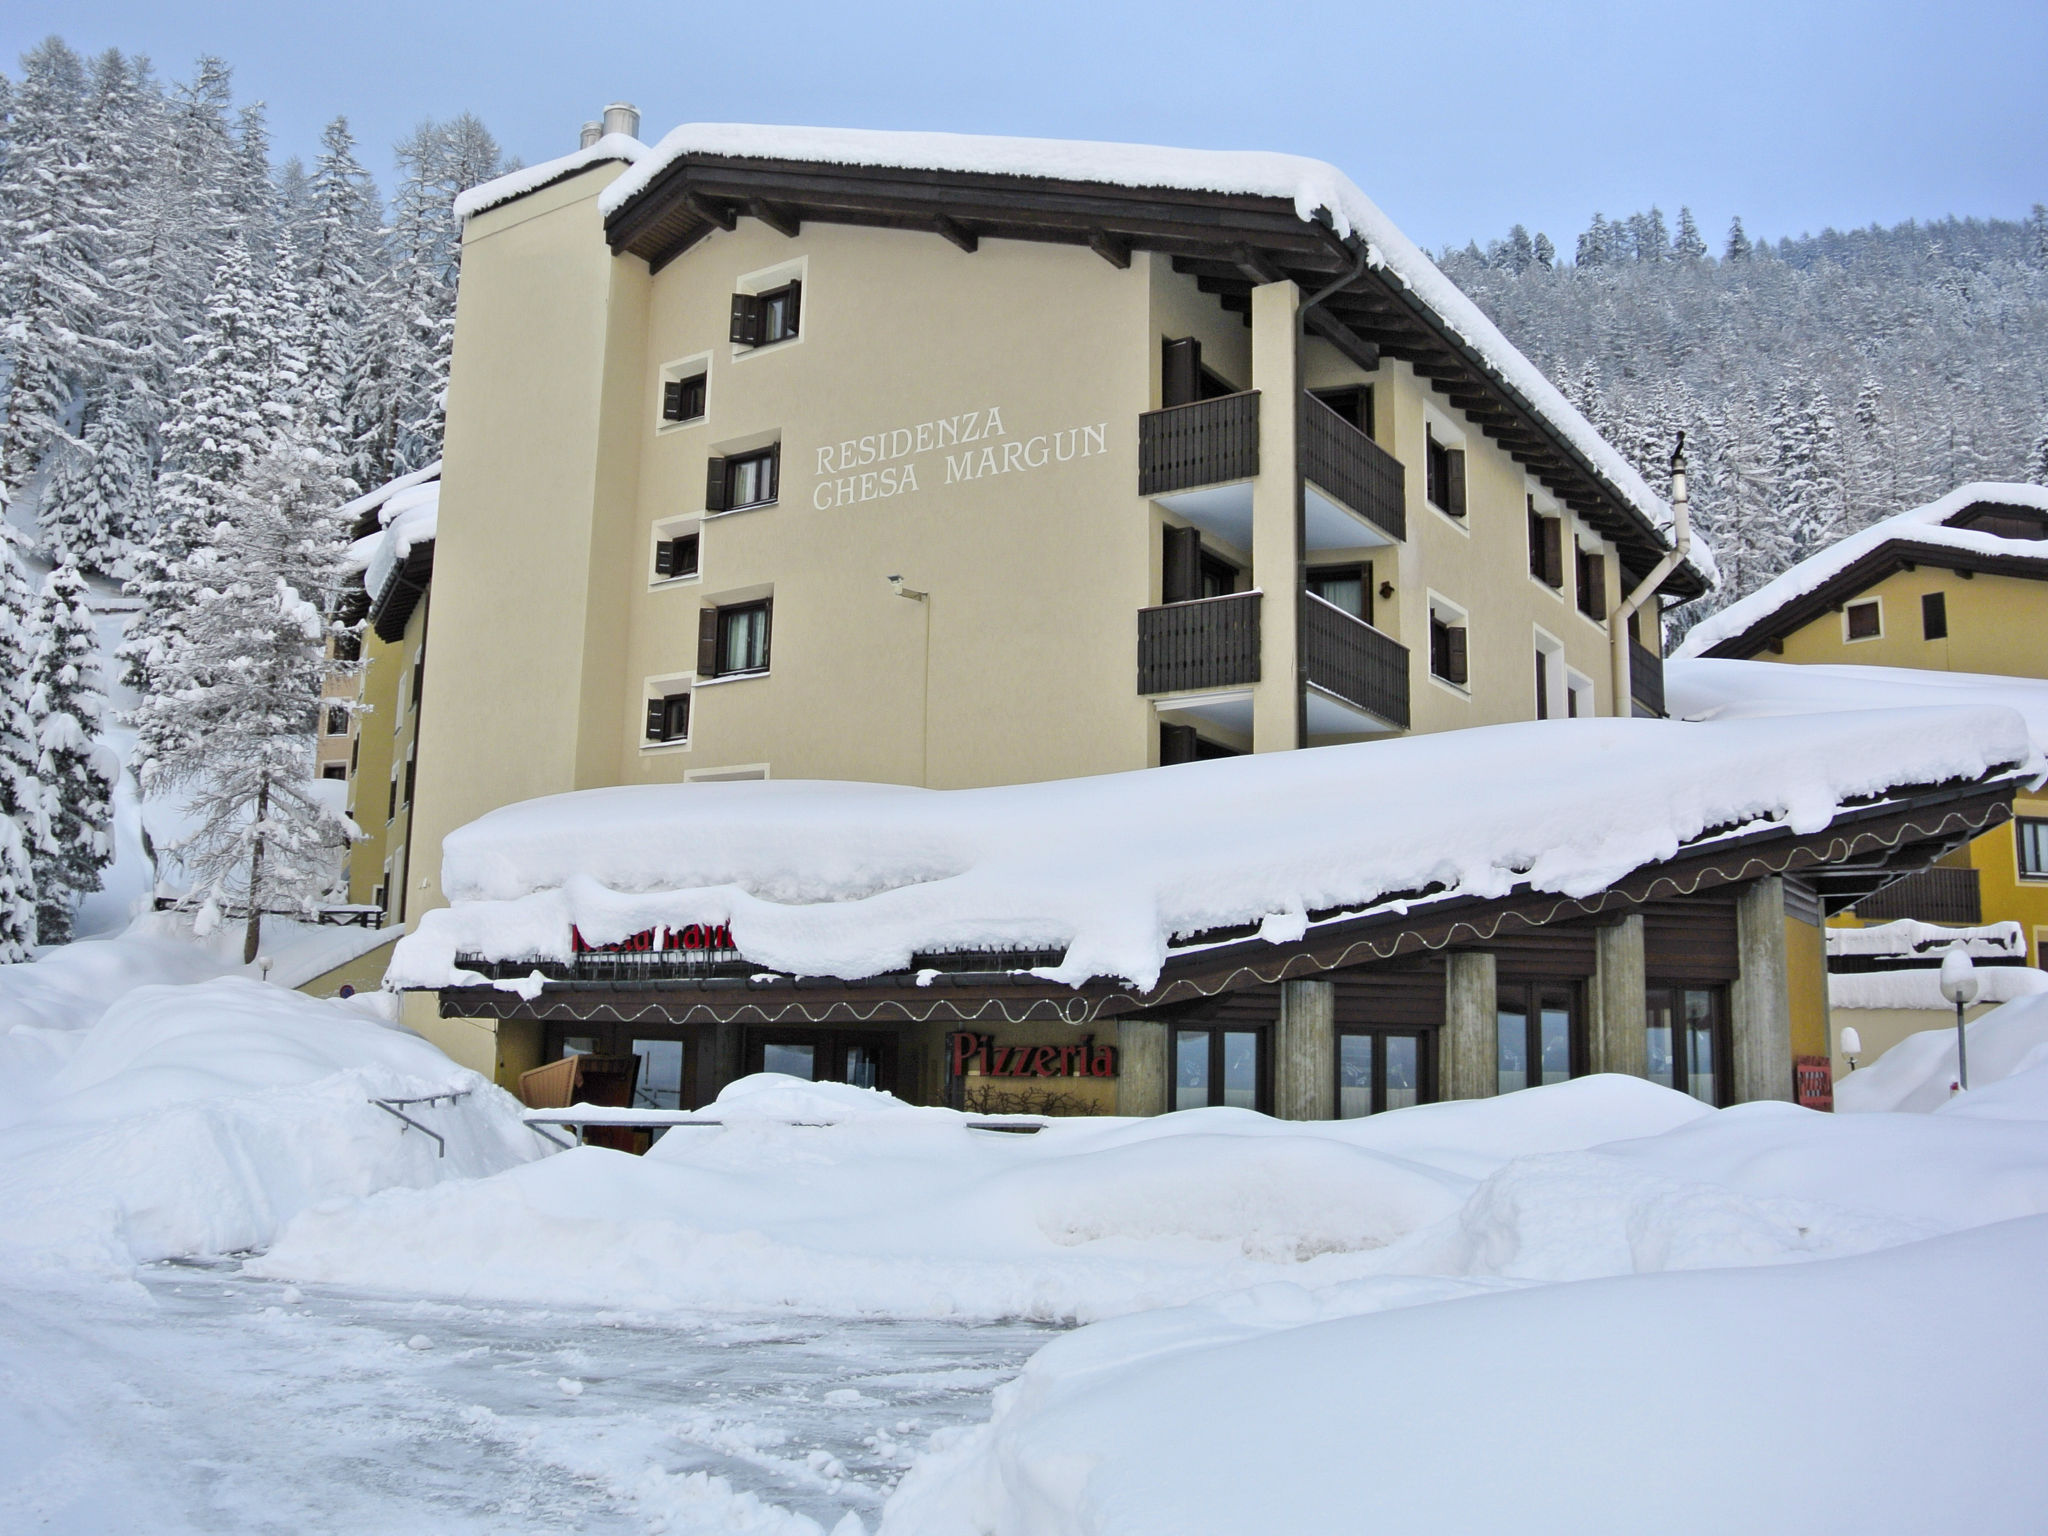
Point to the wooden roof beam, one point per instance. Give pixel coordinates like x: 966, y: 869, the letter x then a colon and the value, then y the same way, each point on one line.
x: 1115, y: 251
x: 1355, y: 349
x: 711, y: 212
x: 784, y: 221
x: 958, y: 233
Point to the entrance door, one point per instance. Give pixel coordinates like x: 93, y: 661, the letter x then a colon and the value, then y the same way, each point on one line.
x: 1379, y: 1070
x: 864, y: 1058
x: 1539, y: 1034
x: 1687, y: 1040
x: 1213, y: 1067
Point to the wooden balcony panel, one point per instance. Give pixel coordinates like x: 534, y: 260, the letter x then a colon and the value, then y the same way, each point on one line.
x: 1207, y: 442
x: 1349, y: 658
x: 1210, y: 643
x: 1937, y: 895
x: 1646, y: 678
x: 1354, y: 469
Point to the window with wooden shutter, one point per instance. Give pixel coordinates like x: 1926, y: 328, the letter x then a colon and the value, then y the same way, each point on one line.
x: 657, y: 715
x: 742, y: 638
x: 746, y: 320
x: 714, y: 484
x: 780, y: 312
x: 1180, y: 377
x: 672, y: 400
x: 751, y: 479
x: 1865, y: 621
x: 675, y: 557
x: 1447, y: 648
x: 1592, y: 584
x: 1436, y: 477
x: 1934, y: 616
x: 668, y: 718
x: 1180, y: 577
x: 1454, y: 459
x: 412, y: 764
x: 707, y: 642
x: 682, y: 399
x: 665, y: 559
x: 1176, y: 745
x: 1456, y: 655
x: 1546, y: 547
x: 1542, y: 686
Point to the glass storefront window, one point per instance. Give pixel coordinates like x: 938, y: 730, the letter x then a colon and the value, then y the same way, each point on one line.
x: 1537, y: 1032
x: 1379, y: 1070
x: 1241, y: 1069
x: 1554, y: 1027
x: 1191, y: 1069
x: 863, y: 1066
x: 790, y: 1060
x: 1513, y: 1026
x: 1354, y: 1076
x: 661, y: 1074
x: 1214, y: 1067
x: 1684, y: 1033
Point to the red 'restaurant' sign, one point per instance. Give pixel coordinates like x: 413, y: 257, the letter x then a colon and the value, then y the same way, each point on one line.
x: 980, y: 1053
x: 695, y: 936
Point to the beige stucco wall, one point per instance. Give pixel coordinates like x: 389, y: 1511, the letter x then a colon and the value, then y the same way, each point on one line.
x: 1995, y: 624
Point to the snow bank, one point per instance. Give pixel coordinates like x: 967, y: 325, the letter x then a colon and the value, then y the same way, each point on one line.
x: 1920, y: 987
x: 195, y: 1120
x: 906, y: 1211
x: 1311, y: 185
x: 1917, y: 1074
x: 531, y: 178
x: 1828, y: 1396
x: 1922, y: 527
x: 1711, y: 689
x: 851, y: 879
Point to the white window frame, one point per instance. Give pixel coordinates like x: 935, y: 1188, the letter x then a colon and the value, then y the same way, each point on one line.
x: 1579, y: 687
x: 682, y: 368
x: 1556, y: 687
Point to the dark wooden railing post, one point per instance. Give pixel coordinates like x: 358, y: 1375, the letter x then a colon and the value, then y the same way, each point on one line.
x: 1346, y: 656
x: 1353, y: 468
x: 1646, y: 678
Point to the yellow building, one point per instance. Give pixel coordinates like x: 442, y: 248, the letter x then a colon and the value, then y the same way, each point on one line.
x: 956, y: 462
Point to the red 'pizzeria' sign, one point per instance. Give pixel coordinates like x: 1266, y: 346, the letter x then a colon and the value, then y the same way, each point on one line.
x: 980, y: 1052
x: 694, y: 936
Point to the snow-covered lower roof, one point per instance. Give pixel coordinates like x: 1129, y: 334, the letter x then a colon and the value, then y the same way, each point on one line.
x: 1711, y: 688
x: 1907, y: 938
x: 407, y: 510
x: 1921, y: 989
x: 1923, y: 528
x: 851, y: 880
x: 1313, y: 186
x: 531, y: 178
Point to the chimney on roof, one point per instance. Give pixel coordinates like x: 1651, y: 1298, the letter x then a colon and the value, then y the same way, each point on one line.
x: 592, y: 132
x: 622, y: 117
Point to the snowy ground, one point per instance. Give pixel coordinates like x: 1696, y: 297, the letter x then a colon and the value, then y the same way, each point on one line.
x: 239, y: 1296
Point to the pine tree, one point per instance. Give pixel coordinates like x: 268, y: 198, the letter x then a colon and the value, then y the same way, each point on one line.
x: 2037, y: 461
x: 1739, y: 248
x: 23, y: 824
x: 66, y: 705
x: 1688, y: 244
x: 1595, y: 243
x: 231, y: 723
x: 1545, y: 252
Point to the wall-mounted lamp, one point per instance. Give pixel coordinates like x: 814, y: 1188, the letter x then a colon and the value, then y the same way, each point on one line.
x: 1386, y: 590
x: 910, y: 592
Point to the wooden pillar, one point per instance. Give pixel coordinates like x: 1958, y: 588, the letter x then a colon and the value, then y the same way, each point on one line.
x: 720, y: 1058
x: 1470, y: 1060
x: 1305, y: 1052
x: 1760, y: 1004
x: 1276, y: 516
x: 1141, y: 1067
x: 1616, y: 1031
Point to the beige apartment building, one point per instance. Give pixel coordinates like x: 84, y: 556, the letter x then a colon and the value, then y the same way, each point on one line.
x: 955, y: 462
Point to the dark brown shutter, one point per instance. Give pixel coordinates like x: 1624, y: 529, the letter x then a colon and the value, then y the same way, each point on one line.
x: 1180, y: 573
x: 768, y: 631
x: 665, y: 558
x: 707, y: 642
x: 657, y: 718
x: 1180, y: 379
x: 1454, y: 465
x: 1542, y: 686
x: 1553, y: 551
x: 1596, y: 586
x: 672, y: 400
x: 790, y: 311
x: 746, y: 320
x: 1176, y: 745
x: 774, y: 485
x: 1934, y: 616
x: 714, y: 484
x: 1454, y: 652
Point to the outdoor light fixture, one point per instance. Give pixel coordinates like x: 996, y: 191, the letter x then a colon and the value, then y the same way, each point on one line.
x: 1386, y: 589
x: 1959, y: 986
x: 1852, y: 1044
x: 910, y: 592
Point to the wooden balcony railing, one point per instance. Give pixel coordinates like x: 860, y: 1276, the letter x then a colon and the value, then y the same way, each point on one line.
x: 1203, y: 443
x: 1351, y: 659
x: 1646, y: 678
x: 1937, y: 895
x: 1212, y: 642
x: 1353, y: 468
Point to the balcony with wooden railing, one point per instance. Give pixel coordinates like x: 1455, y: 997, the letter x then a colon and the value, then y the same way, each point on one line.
x: 1936, y: 895
x: 1353, y: 468
x: 1212, y: 642
x: 1206, y: 442
x: 1347, y: 657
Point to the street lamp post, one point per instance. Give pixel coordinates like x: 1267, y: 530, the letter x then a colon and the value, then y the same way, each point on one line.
x: 1959, y: 986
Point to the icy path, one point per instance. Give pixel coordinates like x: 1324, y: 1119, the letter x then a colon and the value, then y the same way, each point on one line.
x: 222, y: 1403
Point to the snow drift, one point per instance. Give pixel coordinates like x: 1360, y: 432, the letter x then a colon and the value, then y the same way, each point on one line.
x: 850, y: 880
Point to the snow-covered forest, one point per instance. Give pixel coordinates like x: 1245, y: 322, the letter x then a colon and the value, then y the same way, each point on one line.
x: 1824, y: 382
x: 203, y: 353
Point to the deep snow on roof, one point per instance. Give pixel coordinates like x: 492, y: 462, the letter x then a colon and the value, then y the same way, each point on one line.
x: 1311, y: 185
x: 1922, y: 527
x: 408, y: 511
x: 851, y: 880
x: 531, y: 178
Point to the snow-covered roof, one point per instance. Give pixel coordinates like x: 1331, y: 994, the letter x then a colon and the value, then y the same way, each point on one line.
x: 531, y: 178
x: 1907, y: 938
x: 1924, y: 528
x: 407, y: 509
x: 850, y: 880
x: 1312, y: 185
x: 1921, y: 988
x: 369, y: 501
x: 1712, y: 688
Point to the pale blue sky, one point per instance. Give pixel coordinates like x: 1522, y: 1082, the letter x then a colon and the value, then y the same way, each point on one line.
x: 1458, y: 120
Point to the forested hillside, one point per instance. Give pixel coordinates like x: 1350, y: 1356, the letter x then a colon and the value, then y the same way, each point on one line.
x: 1824, y: 382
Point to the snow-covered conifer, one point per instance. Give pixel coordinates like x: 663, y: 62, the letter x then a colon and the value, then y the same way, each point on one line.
x: 66, y: 704
x: 1545, y: 252
x: 1687, y: 244
x: 1594, y: 243
x: 1738, y: 248
x: 2037, y: 461
x: 23, y: 825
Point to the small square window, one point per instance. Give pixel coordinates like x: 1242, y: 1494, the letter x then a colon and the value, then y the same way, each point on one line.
x: 1546, y: 547
x: 1344, y: 586
x: 337, y: 720
x: 1864, y: 621
x: 742, y: 480
x: 684, y: 399
x: 334, y: 771
x: 668, y: 718
x: 761, y: 319
x: 743, y: 638
x: 1447, y: 649
x: 1592, y: 583
x: 1445, y: 480
x: 1934, y: 616
x: 675, y: 557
